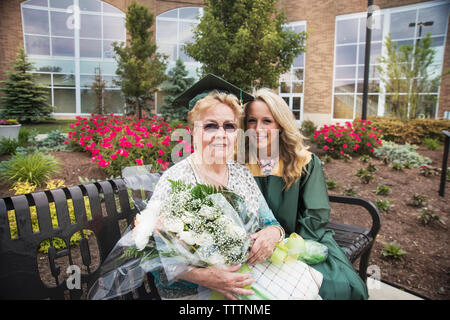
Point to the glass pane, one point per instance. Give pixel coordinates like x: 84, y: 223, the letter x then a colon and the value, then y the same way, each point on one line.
x: 296, y: 103
x: 35, y: 21
x: 427, y: 106
x: 347, y: 31
x: 298, y: 74
x: 90, y: 66
x: 108, y: 49
x: 39, y: 3
x: 296, y: 114
x: 90, y: 48
x: 374, y: 86
x: 88, y: 101
x: 346, y: 55
x: 375, y: 53
x: 343, y: 106
x: 63, y: 47
x: 113, y: 28
x: 64, y: 80
x: 37, y: 45
x: 107, y: 8
x: 299, y: 61
x: 166, y: 31
x: 169, y: 14
x: 184, y: 57
x: 439, y: 48
x: 90, y: 5
x: 436, y: 15
x: 62, y: 24
x: 345, y: 72
x: 62, y: 4
x: 64, y: 100
x: 373, y: 72
x: 48, y: 96
x: 377, y: 28
x: 50, y: 65
x: 42, y: 78
x: 400, y: 24
x: 189, y: 13
x: 186, y: 34
x: 286, y: 77
x: 285, y: 87
x: 113, y: 101
x: 372, y: 105
x: 344, y: 86
x: 90, y: 26
x: 86, y: 81
x: 286, y: 99
x: 299, y: 29
x: 168, y: 49
x: 297, y: 87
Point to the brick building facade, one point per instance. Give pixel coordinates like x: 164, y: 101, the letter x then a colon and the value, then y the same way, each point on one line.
x: 319, y: 17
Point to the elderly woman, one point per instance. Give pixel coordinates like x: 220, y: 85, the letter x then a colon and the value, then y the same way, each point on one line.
x: 214, y: 121
x: 292, y: 181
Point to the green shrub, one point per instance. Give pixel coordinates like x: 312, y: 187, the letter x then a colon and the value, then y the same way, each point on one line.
x: 401, y: 154
x: 418, y: 200
x: 308, y: 128
x: 428, y: 216
x: 350, y: 192
x: 383, y: 190
x: 331, y: 184
x: 383, y: 205
x: 393, y: 250
x: 53, y: 142
x: 365, y: 158
x: 34, y: 168
x: 431, y: 144
x: 372, y: 168
x: 413, y: 131
x: 8, y: 146
x: 397, y: 167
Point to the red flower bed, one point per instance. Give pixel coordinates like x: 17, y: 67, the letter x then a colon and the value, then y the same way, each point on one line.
x: 357, y: 138
x: 116, y: 141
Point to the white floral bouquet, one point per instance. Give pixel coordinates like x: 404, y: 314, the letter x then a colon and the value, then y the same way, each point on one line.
x: 201, y: 225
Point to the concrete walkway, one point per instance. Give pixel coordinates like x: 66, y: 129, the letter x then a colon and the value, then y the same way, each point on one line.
x: 381, y: 291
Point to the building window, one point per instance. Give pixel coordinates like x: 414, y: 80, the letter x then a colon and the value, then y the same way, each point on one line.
x: 68, y: 40
x: 173, y: 31
x: 401, y: 23
x: 291, y: 84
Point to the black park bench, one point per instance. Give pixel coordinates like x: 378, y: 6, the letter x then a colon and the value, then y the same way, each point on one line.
x: 104, y: 208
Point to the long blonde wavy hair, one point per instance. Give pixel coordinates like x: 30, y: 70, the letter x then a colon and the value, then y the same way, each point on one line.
x: 293, y: 153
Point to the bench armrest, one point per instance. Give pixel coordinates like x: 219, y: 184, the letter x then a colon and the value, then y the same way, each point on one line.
x: 368, y: 205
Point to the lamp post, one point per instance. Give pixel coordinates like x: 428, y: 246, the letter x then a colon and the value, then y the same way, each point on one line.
x: 367, y: 60
x: 421, y: 24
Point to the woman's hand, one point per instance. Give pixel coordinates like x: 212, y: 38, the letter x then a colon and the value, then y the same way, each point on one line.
x: 225, y: 281
x: 264, y: 242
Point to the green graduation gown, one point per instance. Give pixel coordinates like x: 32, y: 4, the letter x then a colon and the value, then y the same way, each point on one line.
x: 305, y: 209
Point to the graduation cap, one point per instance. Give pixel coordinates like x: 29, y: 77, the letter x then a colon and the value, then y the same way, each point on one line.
x: 207, y: 84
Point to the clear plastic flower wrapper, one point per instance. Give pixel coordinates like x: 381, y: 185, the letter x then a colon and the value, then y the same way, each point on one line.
x: 196, y: 225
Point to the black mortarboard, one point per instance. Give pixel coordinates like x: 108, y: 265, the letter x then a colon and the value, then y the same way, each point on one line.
x: 204, y: 86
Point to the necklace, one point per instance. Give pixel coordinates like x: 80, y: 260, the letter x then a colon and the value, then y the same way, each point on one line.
x: 205, y: 176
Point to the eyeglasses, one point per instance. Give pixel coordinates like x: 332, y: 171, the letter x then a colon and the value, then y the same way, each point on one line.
x: 212, y: 127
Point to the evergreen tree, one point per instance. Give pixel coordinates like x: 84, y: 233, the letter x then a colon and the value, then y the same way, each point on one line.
x: 24, y: 99
x: 177, y: 83
x: 140, y: 67
x: 245, y: 42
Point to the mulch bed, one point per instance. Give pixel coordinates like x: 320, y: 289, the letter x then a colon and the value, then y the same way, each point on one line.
x: 424, y: 269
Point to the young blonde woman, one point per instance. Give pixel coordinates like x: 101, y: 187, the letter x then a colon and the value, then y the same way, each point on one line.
x: 292, y: 181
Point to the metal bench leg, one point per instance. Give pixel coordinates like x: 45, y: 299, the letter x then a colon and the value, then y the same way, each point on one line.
x: 363, y: 264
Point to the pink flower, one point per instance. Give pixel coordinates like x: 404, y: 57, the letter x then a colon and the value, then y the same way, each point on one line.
x: 325, y: 148
x: 344, y: 145
x: 139, y: 161
x: 368, y: 144
x: 161, y: 152
x: 149, y: 144
x: 372, y: 150
x: 113, y: 156
x: 159, y: 160
x: 342, y: 152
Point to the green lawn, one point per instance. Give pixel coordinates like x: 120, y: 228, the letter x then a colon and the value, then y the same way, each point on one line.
x: 46, y: 127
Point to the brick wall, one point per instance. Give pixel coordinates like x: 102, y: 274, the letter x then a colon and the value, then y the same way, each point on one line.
x: 320, y: 17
